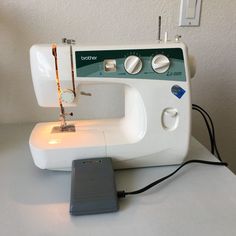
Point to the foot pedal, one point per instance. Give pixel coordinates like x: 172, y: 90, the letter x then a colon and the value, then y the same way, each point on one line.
x: 93, y: 189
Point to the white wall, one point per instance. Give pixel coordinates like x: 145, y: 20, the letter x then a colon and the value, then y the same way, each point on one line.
x: 26, y: 22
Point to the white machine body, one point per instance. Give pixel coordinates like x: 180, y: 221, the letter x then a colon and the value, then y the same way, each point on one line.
x: 156, y: 126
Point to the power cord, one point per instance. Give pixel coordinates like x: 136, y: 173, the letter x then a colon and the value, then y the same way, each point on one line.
x: 211, y: 130
x: 214, y: 150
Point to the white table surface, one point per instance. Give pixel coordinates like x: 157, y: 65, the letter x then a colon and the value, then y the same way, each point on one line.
x: 199, y: 200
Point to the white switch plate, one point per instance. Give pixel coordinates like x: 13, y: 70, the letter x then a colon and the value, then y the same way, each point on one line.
x: 190, y: 11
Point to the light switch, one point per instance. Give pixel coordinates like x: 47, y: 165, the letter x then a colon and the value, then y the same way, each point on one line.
x: 190, y: 12
x: 191, y: 8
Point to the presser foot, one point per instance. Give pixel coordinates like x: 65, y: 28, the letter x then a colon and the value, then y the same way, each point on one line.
x: 65, y: 128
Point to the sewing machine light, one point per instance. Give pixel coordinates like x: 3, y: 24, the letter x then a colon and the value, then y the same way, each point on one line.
x: 54, y: 141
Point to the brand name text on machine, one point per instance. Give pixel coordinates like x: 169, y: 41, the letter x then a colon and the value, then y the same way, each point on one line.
x: 88, y: 58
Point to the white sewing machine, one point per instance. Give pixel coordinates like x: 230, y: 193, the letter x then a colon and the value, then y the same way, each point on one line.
x: 155, y: 129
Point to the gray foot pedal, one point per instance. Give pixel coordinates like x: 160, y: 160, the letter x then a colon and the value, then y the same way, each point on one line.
x: 93, y: 189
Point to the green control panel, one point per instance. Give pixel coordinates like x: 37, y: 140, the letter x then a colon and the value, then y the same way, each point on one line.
x: 154, y: 64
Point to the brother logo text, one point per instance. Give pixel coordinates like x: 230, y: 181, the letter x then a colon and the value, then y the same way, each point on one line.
x: 89, y: 58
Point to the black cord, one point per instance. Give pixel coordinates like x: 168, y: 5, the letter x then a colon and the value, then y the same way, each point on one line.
x: 123, y: 194
x: 211, y: 131
x: 208, y: 128
x: 214, y: 148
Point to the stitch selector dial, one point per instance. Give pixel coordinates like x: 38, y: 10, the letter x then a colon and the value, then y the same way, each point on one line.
x: 160, y: 63
x: 133, y: 65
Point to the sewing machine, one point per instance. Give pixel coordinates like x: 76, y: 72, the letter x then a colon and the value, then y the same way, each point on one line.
x: 155, y: 129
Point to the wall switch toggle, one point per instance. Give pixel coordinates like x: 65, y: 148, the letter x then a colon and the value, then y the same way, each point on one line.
x: 191, y: 9
x: 190, y: 12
